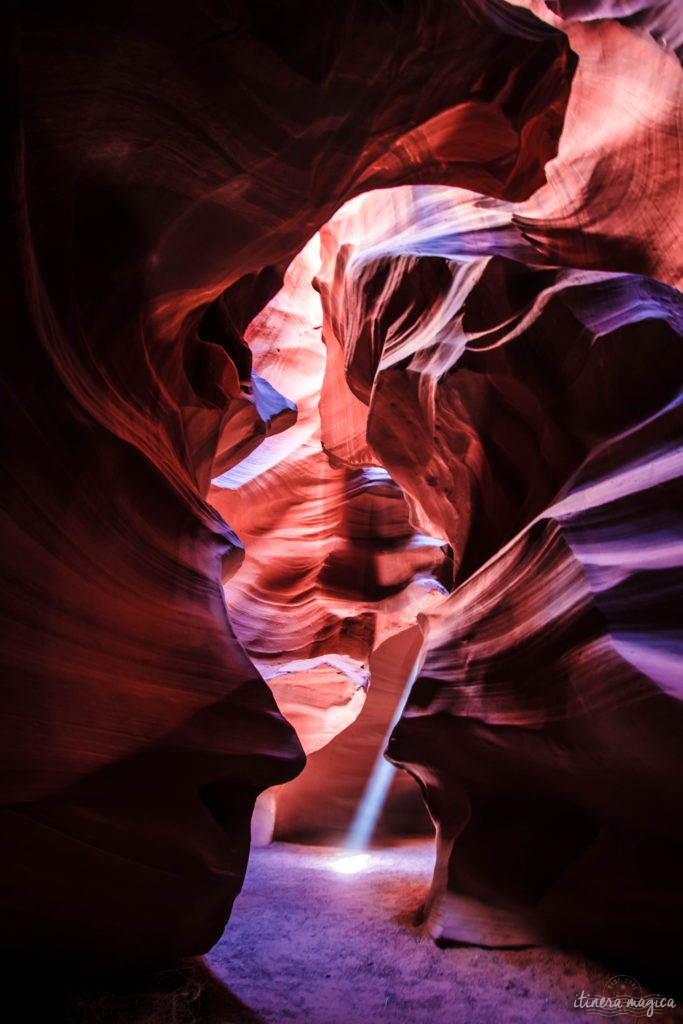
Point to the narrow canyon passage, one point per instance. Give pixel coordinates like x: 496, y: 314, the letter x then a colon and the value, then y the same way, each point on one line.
x: 341, y: 399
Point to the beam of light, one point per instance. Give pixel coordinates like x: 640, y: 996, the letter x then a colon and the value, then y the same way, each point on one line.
x: 375, y: 794
x: 351, y: 864
x: 372, y: 802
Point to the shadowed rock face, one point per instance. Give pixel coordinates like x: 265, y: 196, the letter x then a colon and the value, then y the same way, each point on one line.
x: 167, y: 165
x: 476, y: 390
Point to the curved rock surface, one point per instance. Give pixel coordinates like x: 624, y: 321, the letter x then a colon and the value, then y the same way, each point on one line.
x: 332, y: 564
x: 444, y: 388
x: 167, y: 165
x: 545, y: 413
x: 546, y: 720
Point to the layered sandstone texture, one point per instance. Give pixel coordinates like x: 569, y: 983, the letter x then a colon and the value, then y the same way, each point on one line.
x: 321, y: 326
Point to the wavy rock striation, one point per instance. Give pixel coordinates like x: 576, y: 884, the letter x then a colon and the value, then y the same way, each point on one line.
x: 545, y: 410
x: 167, y: 166
x: 545, y: 429
x: 445, y: 388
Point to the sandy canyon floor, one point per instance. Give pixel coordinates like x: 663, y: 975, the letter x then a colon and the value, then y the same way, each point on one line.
x: 308, y: 945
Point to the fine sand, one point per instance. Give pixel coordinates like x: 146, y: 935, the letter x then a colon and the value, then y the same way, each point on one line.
x: 308, y: 945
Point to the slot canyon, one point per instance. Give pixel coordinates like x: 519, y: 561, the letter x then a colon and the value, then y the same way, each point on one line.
x: 342, y: 547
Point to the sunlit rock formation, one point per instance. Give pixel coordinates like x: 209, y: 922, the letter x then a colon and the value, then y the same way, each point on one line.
x: 348, y: 795
x: 545, y: 423
x: 332, y: 565
x: 167, y: 165
x: 541, y: 378
x: 663, y: 19
x: 388, y: 299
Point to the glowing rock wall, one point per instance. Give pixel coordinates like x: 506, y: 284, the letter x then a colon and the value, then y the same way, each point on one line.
x: 545, y: 420
x: 496, y: 370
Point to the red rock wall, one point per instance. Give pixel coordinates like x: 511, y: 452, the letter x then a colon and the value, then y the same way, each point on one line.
x: 167, y: 164
x: 544, y: 430
x: 496, y: 370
